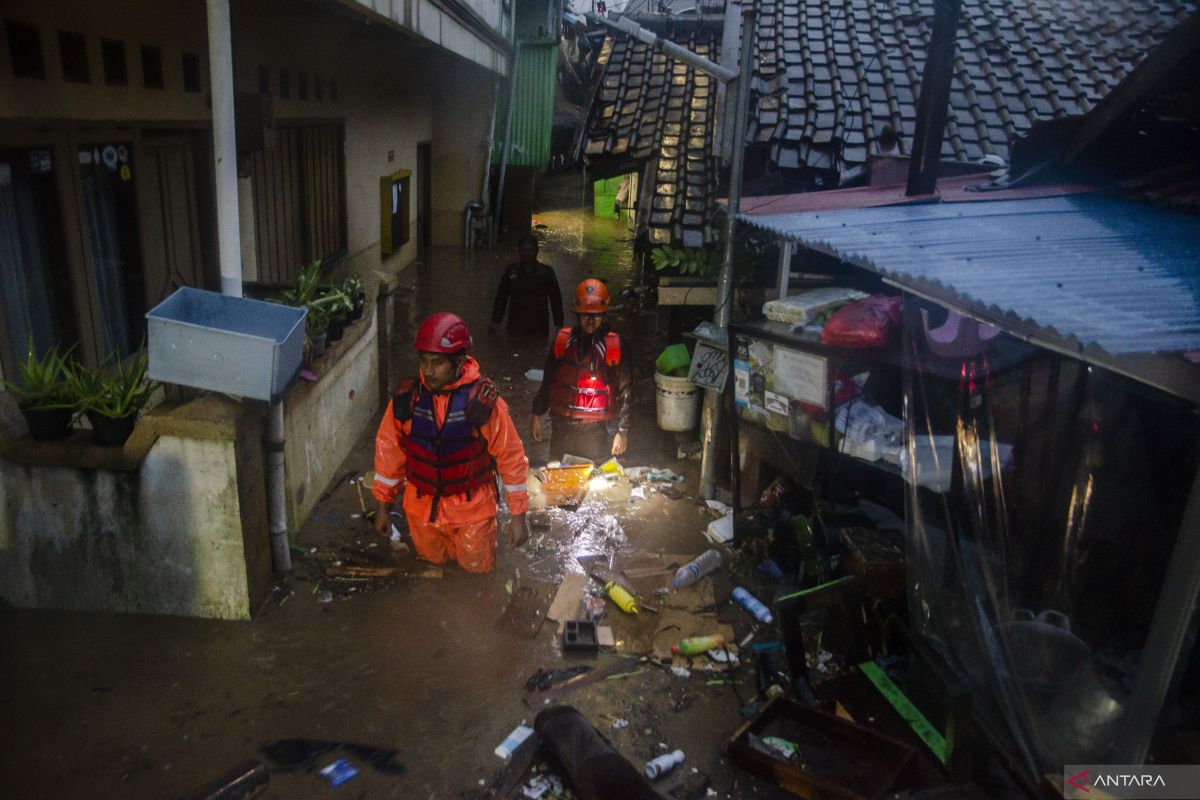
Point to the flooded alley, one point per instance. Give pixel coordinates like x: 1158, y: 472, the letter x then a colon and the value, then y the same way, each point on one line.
x: 433, y: 665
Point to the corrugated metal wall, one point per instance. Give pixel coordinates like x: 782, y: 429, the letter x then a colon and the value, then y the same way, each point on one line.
x: 533, y: 112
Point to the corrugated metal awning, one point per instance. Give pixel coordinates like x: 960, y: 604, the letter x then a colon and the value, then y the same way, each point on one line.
x: 1085, y: 269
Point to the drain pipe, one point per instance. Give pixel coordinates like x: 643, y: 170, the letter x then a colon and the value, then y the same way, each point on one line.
x: 229, y: 245
x: 710, y: 424
x: 281, y: 556
x: 933, y: 105
x: 220, y: 60
x: 512, y: 99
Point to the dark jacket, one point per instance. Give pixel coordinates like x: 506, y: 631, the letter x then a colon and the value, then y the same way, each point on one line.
x: 524, y: 291
x: 619, y: 377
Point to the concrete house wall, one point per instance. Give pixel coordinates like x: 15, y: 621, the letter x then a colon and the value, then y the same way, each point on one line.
x: 175, y: 522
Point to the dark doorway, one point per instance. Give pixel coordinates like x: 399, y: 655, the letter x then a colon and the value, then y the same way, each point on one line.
x: 424, y: 195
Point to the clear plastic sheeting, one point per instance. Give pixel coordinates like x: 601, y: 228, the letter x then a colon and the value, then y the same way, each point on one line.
x: 1044, y: 499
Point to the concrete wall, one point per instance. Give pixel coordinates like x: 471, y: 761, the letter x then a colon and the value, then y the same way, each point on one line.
x: 323, y: 421
x: 430, y: 20
x: 461, y: 112
x: 184, y: 533
x: 393, y: 90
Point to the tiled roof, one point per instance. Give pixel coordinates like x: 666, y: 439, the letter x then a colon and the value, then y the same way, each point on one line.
x: 674, y: 7
x: 831, y: 75
x: 834, y: 74
x: 656, y: 114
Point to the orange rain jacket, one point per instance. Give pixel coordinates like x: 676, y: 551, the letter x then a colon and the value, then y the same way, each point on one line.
x: 503, y: 443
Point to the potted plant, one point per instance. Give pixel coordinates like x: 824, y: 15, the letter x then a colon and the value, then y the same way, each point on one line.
x: 112, y: 396
x: 46, y: 392
x: 336, y: 307
x: 352, y: 288
x: 317, y: 329
x: 688, y: 262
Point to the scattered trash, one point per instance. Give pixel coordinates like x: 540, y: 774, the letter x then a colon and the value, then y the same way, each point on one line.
x: 698, y: 644
x: 242, y: 781
x: 296, y: 755
x: 580, y: 635
x: 670, y: 492
x: 604, y: 636
x: 638, y: 494
x: 339, y: 772
x: 594, y: 607
x: 535, y: 375
x: 720, y: 531
x: 663, y: 764
x: 722, y: 655
x: 680, y: 672
x: 308, y: 375
x: 753, y: 605
x: 611, y: 467
x: 697, y: 568
x: 717, y: 505
x: 513, y: 740
x: 325, y: 597
x: 543, y: 679
x: 620, y: 724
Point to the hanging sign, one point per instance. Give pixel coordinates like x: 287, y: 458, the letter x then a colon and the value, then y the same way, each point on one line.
x: 801, y: 376
x: 710, y: 367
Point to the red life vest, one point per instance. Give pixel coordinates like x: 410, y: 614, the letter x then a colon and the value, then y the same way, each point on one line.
x: 580, y: 386
x: 454, y: 458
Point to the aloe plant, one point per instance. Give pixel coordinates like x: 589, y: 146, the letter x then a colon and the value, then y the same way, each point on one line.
x: 47, y: 382
x: 116, y: 389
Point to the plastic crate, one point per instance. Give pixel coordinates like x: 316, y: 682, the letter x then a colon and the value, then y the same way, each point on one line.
x: 225, y: 344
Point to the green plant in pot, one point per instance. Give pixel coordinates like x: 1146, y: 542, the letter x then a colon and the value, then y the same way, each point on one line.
x: 352, y: 288
x: 112, y: 395
x: 337, y: 307
x: 317, y: 328
x: 46, y: 392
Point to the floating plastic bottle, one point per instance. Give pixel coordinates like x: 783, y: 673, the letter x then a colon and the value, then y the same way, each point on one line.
x: 698, y: 644
x: 663, y: 764
x: 753, y: 606
x: 624, y: 600
x: 697, y: 568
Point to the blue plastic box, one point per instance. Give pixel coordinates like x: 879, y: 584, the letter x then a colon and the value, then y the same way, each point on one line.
x: 225, y: 344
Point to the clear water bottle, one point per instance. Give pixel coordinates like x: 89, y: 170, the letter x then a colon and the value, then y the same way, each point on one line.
x: 753, y: 605
x: 697, y: 568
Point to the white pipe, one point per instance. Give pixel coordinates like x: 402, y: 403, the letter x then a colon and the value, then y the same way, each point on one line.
x: 281, y: 556
x: 220, y: 63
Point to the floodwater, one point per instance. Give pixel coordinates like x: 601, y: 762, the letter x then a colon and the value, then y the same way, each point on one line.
x: 116, y: 706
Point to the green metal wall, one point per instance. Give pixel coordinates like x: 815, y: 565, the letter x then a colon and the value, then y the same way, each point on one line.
x: 533, y: 113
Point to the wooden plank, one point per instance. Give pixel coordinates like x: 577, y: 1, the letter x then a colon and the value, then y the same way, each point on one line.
x: 568, y: 599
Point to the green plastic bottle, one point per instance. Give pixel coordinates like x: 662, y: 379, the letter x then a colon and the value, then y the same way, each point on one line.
x: 698, y: 644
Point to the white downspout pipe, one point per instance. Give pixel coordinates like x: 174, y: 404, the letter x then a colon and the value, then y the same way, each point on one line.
x: 229, y: 248
x: 220, y: 64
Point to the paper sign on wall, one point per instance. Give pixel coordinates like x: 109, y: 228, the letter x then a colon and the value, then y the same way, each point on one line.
x: 801, y: 376
x: 710, y: 367
x: 741, y: 382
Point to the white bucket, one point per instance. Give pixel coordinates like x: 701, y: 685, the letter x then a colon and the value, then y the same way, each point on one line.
x: 677, y: 402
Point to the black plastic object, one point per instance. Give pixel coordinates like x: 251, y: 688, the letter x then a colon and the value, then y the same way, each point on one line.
x: 580, y: 635
x: 242, y: 781
x: 595, y: 769
x: 293, y: 755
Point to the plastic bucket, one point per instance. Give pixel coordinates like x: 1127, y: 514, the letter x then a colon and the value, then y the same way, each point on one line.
x: 677, y: 402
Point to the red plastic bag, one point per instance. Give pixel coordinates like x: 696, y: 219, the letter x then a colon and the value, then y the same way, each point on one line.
x: 864, y: 323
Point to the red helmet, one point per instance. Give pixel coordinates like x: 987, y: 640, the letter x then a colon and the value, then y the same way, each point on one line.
x: 591, y: 297
x: 443, y: 332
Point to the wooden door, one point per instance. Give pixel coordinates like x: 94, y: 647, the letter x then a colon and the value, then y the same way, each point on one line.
x: 170, y: 228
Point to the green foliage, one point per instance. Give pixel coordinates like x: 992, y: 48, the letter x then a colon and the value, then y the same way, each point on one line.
x: 699, y: 262
x: 308, y: 283
x: 116, y: 388
x: 46, y: 382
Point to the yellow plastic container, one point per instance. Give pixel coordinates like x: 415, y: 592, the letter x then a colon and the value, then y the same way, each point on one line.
x: 624, y: 600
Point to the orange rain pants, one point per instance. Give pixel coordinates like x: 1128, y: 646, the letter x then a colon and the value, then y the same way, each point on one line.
x: 464, y: 527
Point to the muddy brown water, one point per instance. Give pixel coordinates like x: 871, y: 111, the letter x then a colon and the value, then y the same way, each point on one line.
x: 115, y: 706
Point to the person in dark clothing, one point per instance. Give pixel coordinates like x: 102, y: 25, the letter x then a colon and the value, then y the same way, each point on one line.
x: 587, y: 384
x: 524, y: 290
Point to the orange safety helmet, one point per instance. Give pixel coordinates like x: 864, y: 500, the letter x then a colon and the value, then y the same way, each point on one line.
x: 443, y: 332
x: 591, y: 297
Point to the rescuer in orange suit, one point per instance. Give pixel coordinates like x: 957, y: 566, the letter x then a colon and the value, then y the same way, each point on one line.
x: 586, y: 385
x: 444, y: 437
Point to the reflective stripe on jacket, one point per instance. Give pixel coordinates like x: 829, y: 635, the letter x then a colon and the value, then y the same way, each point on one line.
x: 503, y: 445
x: 581, y: 383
